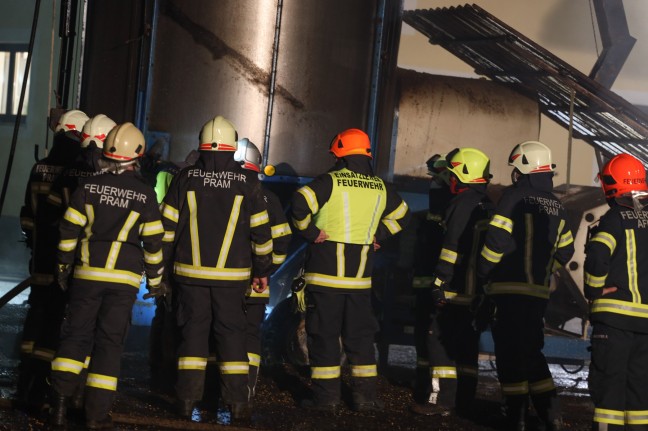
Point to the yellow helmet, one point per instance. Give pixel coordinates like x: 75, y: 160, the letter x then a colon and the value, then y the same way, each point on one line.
x: 469, y: 165
x: 124, y: 143
x: 218, y: 134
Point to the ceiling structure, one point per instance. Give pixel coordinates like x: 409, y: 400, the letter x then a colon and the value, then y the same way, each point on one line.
x: 595, y: 114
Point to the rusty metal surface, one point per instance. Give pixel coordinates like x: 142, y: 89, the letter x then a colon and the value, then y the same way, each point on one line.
x: 601, y: 118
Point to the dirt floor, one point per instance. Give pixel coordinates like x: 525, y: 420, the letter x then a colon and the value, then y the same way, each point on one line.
x: 280, y: 389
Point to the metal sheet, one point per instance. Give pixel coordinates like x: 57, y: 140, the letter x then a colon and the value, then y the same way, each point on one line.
x: 440, y: 113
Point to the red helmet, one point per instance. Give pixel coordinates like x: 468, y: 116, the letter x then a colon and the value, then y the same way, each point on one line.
x: 623, y: 174
x: 349, y: 142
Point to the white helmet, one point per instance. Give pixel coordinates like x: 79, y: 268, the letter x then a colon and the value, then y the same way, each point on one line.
x: 96, y: 129
x: 531, y: 157
x: 248, y: 155
x: 124, y: 143
x: 71, y: 123
x: 218, y: 134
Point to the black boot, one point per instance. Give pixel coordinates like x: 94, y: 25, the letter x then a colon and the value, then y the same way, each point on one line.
x: 58, y: 409
x: 516, y: 412
x: 184, y: 408
x: 240, y: 411
x: 548, y: 408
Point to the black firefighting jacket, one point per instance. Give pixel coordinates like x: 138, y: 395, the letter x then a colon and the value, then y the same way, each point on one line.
x: 338, y: 266
x: 616, y: 257
x: 466, y: 221
x: 281, y: 236
x: 35, y: 221
x: 528, y: 239
x: 217, y: 230
x: 112, y: 231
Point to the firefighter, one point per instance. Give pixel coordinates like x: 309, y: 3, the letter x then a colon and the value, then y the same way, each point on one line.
x: 455, y: 342
x: 615, y: 283
x: 110, y: 234
x: 42, y: 239
x: 528, y: 238
x: 428, y: 242
x: 343, y: 214
x: 248, y: 155
x: 218, y: 235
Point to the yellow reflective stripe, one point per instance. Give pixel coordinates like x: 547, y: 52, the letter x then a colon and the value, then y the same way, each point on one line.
x: 392, y: 226
x: 565, y: 239
x: 491, y: 255
x: 41, y: 187
x: 595, y: 281
x: 151, y: 228
x: 458, y: 298
x: 278, y: 259
x: 26, y: 223
x: 518, y: 289
x: 108, y: 275
x: 169, y: 236
x: 67, y: 244
x: 85, y: 245
x: 421, y: 282
x: 448, y: 255
x: 374, y: 220
x: 502, y: 222
x: 468, y: 371
x: 541, y: 386
x: 169, y: 212
x: 337, y: 282
x: 443, y: 372
x: 364, y: 370
x: 631, y: 260
x: 153, y: 258
x: 605, y: 239
x: 154, y: 282
x: 67, y: 365
x: 520, y: 388
x: 75, y: 217
x: 302, y: 224
x: 399, y: 212
x: 229, y: 232
x: 280, y: 230
x: 193, y: 228
x: 101, y: 381
x: 528, y: 247
x: 552, y: 262
x: 616, y: 306
x: 311, y: 199
x: 346, y: 216
x: 192, y: 363
x: 251, y: 293
x: 86, y: 364
x: 209, y: 273
x: 43, y: 354
x: 262, y: 249
x: 55, y: 199
x: 363, y: 260
x: 112, y: 255
x: 27, y: 347
x: 128, y: 225
x: 325, y: 372
x: 636, y: 417
x: 234, y: 367
x: 259, y: 219
x: 339, y: 258
x: 253, y: 359
x: 606, y: 416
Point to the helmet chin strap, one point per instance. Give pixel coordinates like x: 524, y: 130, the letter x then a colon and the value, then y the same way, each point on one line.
x: 515, y: 175
x: 639, y: 199
x: 117, y: 168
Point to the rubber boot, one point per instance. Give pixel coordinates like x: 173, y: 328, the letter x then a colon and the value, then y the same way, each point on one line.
x: 548, y: 408
x: 516, y: 412
x: 58, y: 409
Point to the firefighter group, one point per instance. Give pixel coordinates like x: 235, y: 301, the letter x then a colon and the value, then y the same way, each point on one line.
x: 103, y: 215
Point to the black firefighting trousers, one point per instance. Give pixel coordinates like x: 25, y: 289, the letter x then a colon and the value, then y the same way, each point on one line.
x: 518, y: 334
x: 330, y: 316
x: 221, y: 309
x: 254, y: 312
x: 618, y: 379
x: 423, y: 339
x: 96, y: 326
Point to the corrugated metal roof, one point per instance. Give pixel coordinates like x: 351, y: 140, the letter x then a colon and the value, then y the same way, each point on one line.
x: 600, y: 117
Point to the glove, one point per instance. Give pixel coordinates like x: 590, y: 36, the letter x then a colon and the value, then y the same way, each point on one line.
x: 483, y: 310
x: 156, y: 292
x: 63, y: 271
x: 438, y: 292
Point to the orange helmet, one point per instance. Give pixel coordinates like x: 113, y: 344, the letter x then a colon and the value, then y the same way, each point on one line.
x: 623, y: 174
x: 349, y: 142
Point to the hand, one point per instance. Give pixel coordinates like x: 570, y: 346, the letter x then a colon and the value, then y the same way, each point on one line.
x: 438, y: 297
x: 376, y: 246
x: 608, y: 290
x: 321, y: 237
x: 259, y: 284
x: 156, y: 292
x: 63, y: 271
x: 483, y: 310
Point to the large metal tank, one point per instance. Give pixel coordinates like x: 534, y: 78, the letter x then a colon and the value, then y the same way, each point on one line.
x: 216, y: 57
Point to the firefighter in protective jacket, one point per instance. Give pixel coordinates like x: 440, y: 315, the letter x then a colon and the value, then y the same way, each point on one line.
x: 110, y: 234
x: 616, y: 284
x: 455, y: 348
x: 218, y: 236
x: 528, y: 239
x: 42, y: 239
x: 248, y: 155
x: 342, y: 214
